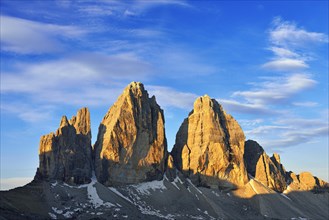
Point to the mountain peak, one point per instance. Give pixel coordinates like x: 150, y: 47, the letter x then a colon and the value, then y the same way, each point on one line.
x: 131, y: 144
x: 210, y: 145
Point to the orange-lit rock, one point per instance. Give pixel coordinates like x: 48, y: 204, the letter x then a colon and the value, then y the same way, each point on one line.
x: 210, y: 145
x: 131, y: 145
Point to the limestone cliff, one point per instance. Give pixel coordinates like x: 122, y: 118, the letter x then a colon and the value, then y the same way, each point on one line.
x: 67, y: 154
x: 209, y: 146
x: 131, y: 145
x: 268, y: 171
x: 305, y: 181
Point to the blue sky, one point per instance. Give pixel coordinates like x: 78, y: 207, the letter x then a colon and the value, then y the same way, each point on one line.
x: 266, y: 62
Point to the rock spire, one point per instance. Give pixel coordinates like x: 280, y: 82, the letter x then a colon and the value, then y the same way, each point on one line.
x: 131, y: 145
x: 67, y: 154
x: 268, y: 171
x: 209, y: 146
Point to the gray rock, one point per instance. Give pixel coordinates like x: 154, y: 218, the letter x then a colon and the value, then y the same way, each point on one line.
x: 67, y: 154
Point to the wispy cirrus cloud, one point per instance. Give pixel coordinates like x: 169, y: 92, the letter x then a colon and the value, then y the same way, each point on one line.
x: 169, y: 97
x: 305, y: 104
x: 289, y: 44
x: 127, y: 9
x: 31, y: 37
x: 80, y: 79
x: 246, y: 107
x: 285, y: 64
x: 277, y: 89
x: 288, y: 35
x: 289, y: 131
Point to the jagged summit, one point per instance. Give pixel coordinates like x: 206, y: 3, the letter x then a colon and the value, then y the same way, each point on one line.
x: 138, y: 179
x: 131, y: 145
x: 67, y: 154
x: 210, y: 145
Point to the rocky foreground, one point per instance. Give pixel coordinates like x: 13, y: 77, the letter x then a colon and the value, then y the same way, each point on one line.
x: 211, y: 173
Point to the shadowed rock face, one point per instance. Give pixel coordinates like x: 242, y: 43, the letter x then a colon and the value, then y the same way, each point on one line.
x: 131, y: 145
x: 67, y: 154
x: 210, y: 145
x: 268, y: 171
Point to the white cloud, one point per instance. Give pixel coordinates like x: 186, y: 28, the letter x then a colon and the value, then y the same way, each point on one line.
x: 10, y: 183
x: 74, y: 72
x: 287, y: 34
x: 26, y: 112
x: 31, y: 37
x: 285, y: 65
x: 289, y: 131
x: 305, y: 104
x: 84, y: 79
x: 247, y: 108
x: 288, y: 43
x: 123, y: 8
x: 277, y: 89
x: 265, y: 129
x: 97, y: 10
x: 169, y: 97
x: 283, y: 52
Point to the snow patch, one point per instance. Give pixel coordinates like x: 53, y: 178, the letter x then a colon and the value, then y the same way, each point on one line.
x: 93, y: 196
x: 52, y: 216
x: 197, y: 196
x: 175, y: 185
x: 144, y: 188
x: 190, y: 182
x: 215, y: 193
x: 119, y: 194
x: 68, y: 214
x: 57, y: 211
x: 285, y: 196
x: 177, y: 179
x: 54, y: 184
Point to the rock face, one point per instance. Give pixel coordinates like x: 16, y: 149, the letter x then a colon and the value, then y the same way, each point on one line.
x: 209, y: 146
x: 67, y: 154
x: 305, y: 181
x: 131, y: 145
x: 268, y: 171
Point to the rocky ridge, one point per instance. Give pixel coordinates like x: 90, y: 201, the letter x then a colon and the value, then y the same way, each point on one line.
x: 137, y: 178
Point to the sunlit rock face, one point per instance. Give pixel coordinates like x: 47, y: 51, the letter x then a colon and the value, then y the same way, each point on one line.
x: 209, y: 146
x: 67, y: 154
x: 305, y: 181
x: 268, y: 171
x: 131, y: 145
